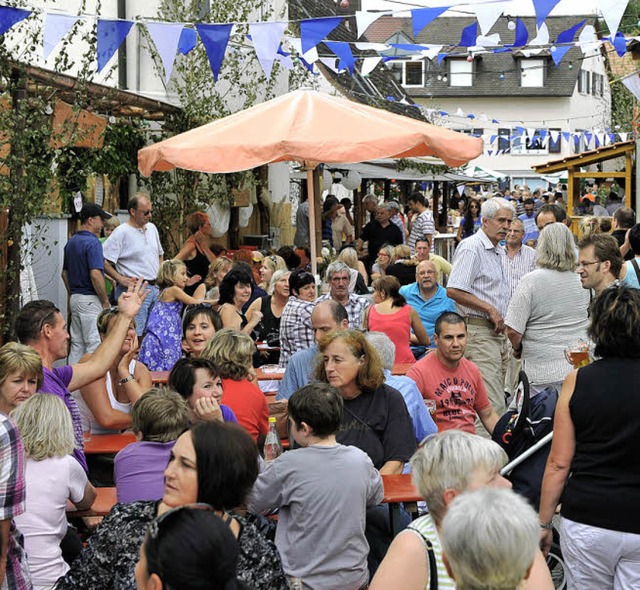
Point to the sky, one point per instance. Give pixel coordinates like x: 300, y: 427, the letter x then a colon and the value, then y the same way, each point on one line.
x: 513, y: 8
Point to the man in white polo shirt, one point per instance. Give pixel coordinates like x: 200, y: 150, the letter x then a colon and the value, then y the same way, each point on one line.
x: 134, y: 251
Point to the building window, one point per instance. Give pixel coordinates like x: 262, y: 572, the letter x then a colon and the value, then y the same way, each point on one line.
x: 584, y: 78
x: 532, y: 73
x: 472, y: 132
x: 597, y: 84
x: 408, y: 73
x: 504, y: 140
x: 525, y: 145
x: 555, y: 146
x: 461, y: 72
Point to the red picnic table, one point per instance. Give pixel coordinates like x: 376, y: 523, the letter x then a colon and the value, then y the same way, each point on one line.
x: 104, y: 444
x: 399, y: 489
x: 105, y: 500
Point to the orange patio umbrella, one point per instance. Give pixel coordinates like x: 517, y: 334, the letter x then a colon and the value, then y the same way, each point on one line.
x: 308, y: 127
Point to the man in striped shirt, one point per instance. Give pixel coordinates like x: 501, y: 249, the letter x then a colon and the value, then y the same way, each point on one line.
x: 479, y: 287
x: 423, y: 226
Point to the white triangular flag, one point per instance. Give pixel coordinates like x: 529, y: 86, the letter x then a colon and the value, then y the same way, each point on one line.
x: 530, y: 132
x: 612, y: 11
x: 459, y: 113
x: 432, y: 51
x: 56, y: 26
x: 623, y: 136
x: 460, y: 189
x: 166, y: 37
x: 310, y: 57
x: 373, y: 46
x: 542, y: 38
x: 488, y: 14
x: 330, y: 62
x: 369, y: 64
x: 365, y: 19
x: 632, y: 83
x: 555, y: 135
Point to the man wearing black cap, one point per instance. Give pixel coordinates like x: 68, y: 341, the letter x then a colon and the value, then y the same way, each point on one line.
x: 83, y: 276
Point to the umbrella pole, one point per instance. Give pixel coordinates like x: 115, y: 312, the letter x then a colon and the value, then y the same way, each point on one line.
x: 312, y: 220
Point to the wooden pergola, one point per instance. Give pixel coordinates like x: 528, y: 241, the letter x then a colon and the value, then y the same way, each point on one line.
x: 573, y: 164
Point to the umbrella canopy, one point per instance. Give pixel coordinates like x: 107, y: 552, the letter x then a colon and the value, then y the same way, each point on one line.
x: 309, y: 126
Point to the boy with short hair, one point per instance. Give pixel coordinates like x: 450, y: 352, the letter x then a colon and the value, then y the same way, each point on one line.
x: 158, y: 418
x: 322, y: 490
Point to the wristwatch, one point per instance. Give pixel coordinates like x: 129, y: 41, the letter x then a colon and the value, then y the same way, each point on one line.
x: 126, y: 380
x: 547, y: 526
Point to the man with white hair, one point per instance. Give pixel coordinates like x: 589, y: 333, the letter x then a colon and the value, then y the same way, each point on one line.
x: 479, y: 287
x: 423, y: 423
x: 338, y: 276
x: 482, y: 549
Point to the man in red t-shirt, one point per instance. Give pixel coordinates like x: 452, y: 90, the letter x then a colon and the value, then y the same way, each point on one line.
x: 454, y: 382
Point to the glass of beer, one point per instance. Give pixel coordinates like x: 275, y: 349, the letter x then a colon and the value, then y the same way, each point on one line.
x: 431, y: 406
x: 577, y: 353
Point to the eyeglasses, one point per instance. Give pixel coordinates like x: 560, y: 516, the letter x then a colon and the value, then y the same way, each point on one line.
x: 146, y: 213
x: 585, y: 264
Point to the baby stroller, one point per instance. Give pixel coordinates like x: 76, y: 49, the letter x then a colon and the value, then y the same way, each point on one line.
x: 525, y: 433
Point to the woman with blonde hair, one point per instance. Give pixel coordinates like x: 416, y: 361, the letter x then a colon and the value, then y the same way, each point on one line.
x: 231, y: 351
x: 20, y: 375
x: 105, y: 404
x: 52, y: 478
x: 391, y: 314
x: 217, y: 272
x: 383, y: 260
x: 404, y: 266
x: 270, y: 264
x: 271, y: 308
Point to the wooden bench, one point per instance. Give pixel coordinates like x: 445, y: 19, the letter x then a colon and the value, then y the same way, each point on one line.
x: 108, y: 444
x: 399, y: 489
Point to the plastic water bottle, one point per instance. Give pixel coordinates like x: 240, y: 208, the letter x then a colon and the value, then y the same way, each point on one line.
x: 272, y: 446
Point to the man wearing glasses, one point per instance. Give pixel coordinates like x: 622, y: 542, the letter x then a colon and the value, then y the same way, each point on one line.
x: 134, y: 251
x: 599, y: 262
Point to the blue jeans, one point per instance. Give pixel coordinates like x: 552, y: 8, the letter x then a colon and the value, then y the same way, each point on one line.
x: 145, y: 309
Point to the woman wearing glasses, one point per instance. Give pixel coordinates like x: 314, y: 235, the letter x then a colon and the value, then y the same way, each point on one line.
x: 214, y: 463
x: 105, y: 404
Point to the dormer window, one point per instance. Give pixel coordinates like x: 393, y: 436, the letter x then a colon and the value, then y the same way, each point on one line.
x: 533, y: 72
x: 408, y: 73
x: 461, y: 72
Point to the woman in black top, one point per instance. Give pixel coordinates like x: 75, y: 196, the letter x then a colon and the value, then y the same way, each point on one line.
x: 195, y: 252
x: 593, y: 462
x: 272, y: 306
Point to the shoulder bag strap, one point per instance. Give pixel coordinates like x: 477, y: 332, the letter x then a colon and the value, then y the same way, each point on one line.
x: 636, y: 268
x: 431, y: 556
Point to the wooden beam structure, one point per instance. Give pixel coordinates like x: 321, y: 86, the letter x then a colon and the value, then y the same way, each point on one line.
x: 573, y: 164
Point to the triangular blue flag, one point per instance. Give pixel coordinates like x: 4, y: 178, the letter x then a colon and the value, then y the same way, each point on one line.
x: 559, y: 53
x: 471, y: 116
x: 567, y: 36
x: 587, y: 136
x: 493, y: 138
x: 595, y: 137
x: 612, y: 138
x: 495, y: 121
x: 110, y: 35
x: 421, y: 17
x: 441, y: 57
x: 620, y: 44
x: 166, y: 37
x: 315, y: 30
x: 215, y: 39
x: 11, y: 16
x: 489, y: 152
x: 343, y: 51
x: 520, y: 130
x: 469, y: 36
x: 443, y: 113
x: 566, y: 135
x: 266, y: 38
x: 522, y: 35
x: 56, y: 26
x: 542, y: 9
x: 188, y: 40
x: 543, y: 134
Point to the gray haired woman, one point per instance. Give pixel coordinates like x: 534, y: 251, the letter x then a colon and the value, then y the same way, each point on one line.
x: 548, y: 310
x: 446, y: 465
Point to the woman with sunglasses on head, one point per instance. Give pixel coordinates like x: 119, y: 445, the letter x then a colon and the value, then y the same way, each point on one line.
x: 471, y: 221
x: 188, y: 548
x: 215, y: 463
x: 105, y: 404
x: 270, y: 265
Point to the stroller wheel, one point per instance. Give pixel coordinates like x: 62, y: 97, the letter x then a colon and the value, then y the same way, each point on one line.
x: 556, y: 564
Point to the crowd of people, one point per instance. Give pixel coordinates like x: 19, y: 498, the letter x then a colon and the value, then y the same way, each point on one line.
x: 193, y: 490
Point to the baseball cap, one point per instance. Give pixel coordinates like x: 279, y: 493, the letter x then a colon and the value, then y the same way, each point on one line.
x: 93, y: 210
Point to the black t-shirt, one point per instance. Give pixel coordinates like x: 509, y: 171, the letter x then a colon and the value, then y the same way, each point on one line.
x: 619, y: 235
x: 378, y: 236
x: 405, y: 273
x: 379, y: 424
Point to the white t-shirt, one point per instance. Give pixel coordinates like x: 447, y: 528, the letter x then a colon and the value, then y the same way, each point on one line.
x: 135, y: 252
x: 50, y: 483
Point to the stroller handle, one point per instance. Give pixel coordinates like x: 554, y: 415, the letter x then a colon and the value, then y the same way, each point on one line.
x: 509, y: 467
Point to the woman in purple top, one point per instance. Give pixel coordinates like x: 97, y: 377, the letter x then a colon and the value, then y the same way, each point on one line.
x: 159, y: 417
x: 197, y: 380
